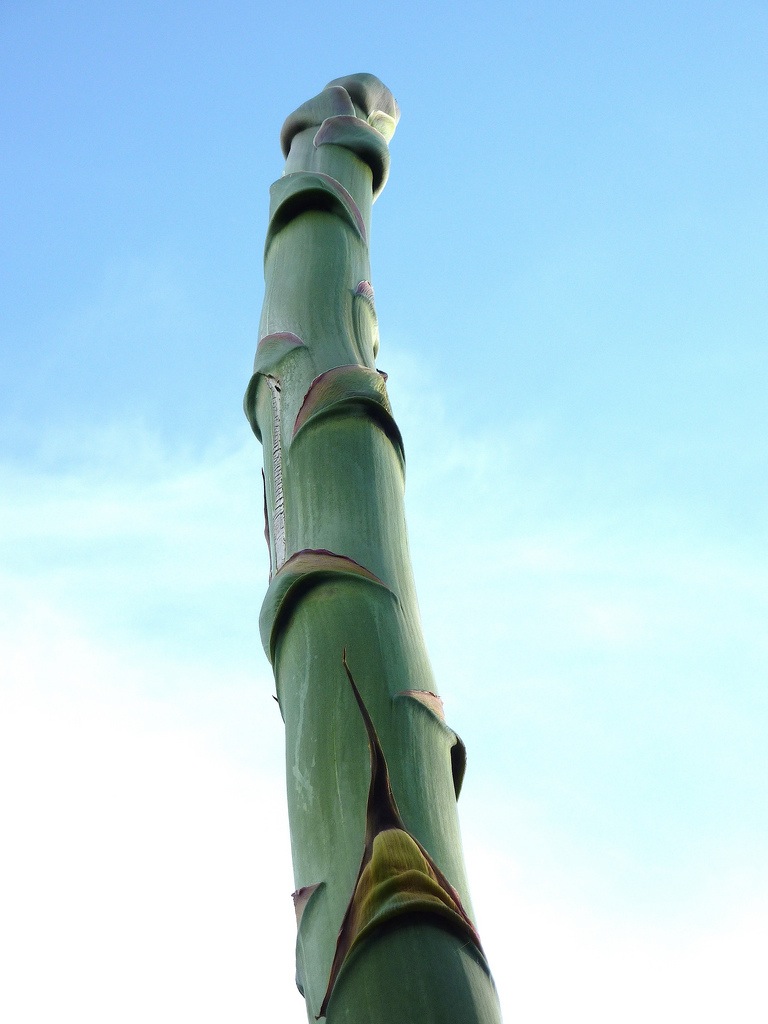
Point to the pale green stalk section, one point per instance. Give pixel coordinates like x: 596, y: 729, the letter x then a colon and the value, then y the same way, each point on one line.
x: 341, y: 581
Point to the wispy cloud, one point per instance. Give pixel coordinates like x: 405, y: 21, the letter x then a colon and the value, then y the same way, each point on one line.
x: 146, y: 860
x: 143, y: 541
x: 604, y: 677
x: 558, y: 958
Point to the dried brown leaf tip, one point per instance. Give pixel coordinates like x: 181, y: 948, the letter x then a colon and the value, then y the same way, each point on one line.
x: 430, y: 700
x: 365, y: 289
x: 397, y: 876
x: 301, y: 898
x: 266, y: 509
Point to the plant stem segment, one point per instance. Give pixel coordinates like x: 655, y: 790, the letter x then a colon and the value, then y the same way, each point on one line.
x: 385, y: 928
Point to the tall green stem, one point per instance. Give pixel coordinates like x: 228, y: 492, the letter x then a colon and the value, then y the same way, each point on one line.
x: 385, y: 930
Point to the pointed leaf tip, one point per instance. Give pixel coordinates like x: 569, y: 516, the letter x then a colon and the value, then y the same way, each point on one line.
x: 430, y: 700
x: 301, y: 898
x: 397, y: 875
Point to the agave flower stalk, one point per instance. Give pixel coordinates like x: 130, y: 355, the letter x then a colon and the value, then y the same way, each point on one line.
x: 385, y: 927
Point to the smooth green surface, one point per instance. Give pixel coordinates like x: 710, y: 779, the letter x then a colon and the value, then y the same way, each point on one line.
x: 341, y: 581
x: 396, y: 980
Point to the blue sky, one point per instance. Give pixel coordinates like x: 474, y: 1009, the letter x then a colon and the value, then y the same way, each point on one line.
x: 571, y: 272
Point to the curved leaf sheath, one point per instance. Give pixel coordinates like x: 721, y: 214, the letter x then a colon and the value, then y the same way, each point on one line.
x: 302, y: 191
x: 333, y: 100
x: 397, y: 876
x: 343, y: 388
x: 304, y: 570
x: 359, y: 138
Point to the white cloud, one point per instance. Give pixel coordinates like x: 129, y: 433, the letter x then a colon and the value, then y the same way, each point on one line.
x: 141, y: 750
x: 557, y: 959
x: 146, y: 870
x: 141, y: 542
x: 146, y: 862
